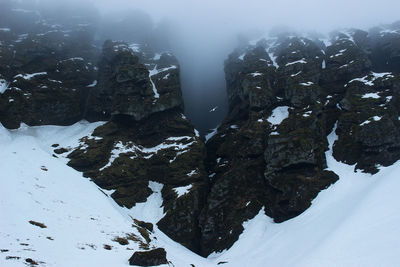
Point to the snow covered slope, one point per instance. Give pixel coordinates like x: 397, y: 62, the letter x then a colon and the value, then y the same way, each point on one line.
x: 355, y: 222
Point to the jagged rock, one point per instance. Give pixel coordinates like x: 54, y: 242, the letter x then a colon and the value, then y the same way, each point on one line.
x: 128, y: 87
x: 126, y: 155
x: 146, y: 225
x: 46, y: 84
x: 385, y: 48
x: 253, y: 84
x: 255, y: 160
x: 153, y: 257
x: 368, y: 127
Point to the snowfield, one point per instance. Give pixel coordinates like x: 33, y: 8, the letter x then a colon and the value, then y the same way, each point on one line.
x: 355, y: 222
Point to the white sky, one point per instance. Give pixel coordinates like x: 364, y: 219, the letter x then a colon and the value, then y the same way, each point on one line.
x: 229, y: 14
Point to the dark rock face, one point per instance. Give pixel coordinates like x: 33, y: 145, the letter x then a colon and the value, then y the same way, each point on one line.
x: 129, y: 87
x: 47, y: 82
x: 368, y: 127
x: 54, y: 74
x: 149, y: 258
x: 126, y: 155
x: 286, y: 95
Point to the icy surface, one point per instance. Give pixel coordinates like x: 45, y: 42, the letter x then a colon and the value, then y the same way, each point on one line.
x: 278, y: 115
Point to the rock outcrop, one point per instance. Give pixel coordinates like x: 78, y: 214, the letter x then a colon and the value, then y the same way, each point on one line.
x: 146, y: 145
x: 45, y: 77
x: 133, y: 87
x: 153, y: 257
x: 286, y: 95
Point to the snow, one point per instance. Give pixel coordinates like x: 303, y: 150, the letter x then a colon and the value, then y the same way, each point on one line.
x: 151, y: 73
x: 294, y: 75
x: 241, y: 57
x: 323, y: 66
x: 327, y: 42
x: 73, y: 59
x: 387, y: 31
x: 34, y: 186
x: 180, y: 191
x: 339, y: 54
x: 157, y: 56
x: 135, y: 47
x: 371, y: 95
x: 368, y: 80
x: 365, y: 123
x: 3, y: 86
x: 255, y: 74
x: 93, y: 84
x: 176, y: 143
x: 273, y: 58
x: 118, y: 149
x: 301, y: 61
x: 354, y: 222
x: 5, y: 29
x: 375, y: 118
x: 30, y: 76
x: 156, y: 71
x: 212, y: 133
x: 193, y: 172
x: 279, y: 114
x: 381, y: 75
x: 56, y: 81
x: 151, y: 210
x: 307, y: 84
x: 307, y: 114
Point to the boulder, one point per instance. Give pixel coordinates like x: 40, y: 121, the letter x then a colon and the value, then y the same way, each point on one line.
x: 153, y: 257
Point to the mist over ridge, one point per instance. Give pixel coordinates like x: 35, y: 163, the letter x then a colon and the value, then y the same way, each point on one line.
x: 202, y: 33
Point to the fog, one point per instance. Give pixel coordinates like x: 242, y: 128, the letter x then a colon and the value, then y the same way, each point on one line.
x: 202, y: 33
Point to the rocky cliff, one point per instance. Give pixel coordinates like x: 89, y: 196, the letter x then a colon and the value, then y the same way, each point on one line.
x: 286, y: 94
x: 60, y: 76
